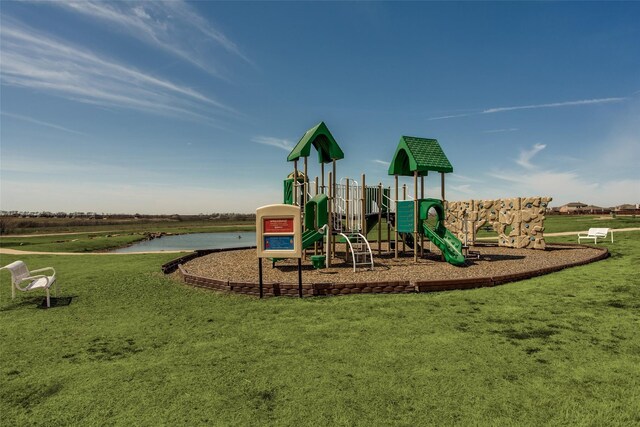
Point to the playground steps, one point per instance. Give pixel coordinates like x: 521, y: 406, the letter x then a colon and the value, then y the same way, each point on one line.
x: 360, y: 250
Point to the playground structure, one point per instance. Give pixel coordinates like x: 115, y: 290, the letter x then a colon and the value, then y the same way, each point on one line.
x: 345, y: 211
x: 328, y: 218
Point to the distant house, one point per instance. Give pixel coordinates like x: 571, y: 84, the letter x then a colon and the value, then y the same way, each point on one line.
x: 573, y: 207
x: 627, y: 207
x: 595, y: 209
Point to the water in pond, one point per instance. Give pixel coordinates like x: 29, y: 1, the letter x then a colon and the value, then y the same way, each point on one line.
x: 194, y: 241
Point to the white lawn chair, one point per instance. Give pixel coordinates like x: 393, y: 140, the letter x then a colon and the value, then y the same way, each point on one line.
x: 595, y: 234
x: 21, y: 274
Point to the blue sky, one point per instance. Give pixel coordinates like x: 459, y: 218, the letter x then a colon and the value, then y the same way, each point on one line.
x: 192, y: 107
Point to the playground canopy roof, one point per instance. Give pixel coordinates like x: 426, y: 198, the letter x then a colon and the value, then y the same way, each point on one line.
x: 320, y: 137
x: 418, y: 154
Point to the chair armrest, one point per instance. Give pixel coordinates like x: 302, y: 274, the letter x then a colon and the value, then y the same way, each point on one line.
x: 32, y: 278
x: 44, y: 269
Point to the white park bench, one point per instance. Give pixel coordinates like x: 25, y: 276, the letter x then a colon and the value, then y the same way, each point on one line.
x: 595, y: 234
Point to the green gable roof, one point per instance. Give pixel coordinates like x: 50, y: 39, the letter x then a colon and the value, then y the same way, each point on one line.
x: 418, y: 154
x: 320, y: 137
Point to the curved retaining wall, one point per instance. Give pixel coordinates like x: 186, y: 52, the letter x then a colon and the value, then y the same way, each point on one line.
x: 172, y: 265
x: 326, y: 289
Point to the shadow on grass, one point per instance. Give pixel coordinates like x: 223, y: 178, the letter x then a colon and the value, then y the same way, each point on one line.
x: 40, y: 302
x: 56, y: 302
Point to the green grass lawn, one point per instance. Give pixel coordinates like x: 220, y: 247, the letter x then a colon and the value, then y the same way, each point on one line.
x: 136, y: 347
x: 88, y: 242
x: 576, y: 223
x: 559, y: 223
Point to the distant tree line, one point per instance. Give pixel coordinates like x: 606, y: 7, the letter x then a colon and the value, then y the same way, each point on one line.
x: 12, y: 220
x: 95, y: 215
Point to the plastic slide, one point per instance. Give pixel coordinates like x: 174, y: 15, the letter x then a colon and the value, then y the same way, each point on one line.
x: 309, y: 237
x: 315, y: 217
x: 449, y: 244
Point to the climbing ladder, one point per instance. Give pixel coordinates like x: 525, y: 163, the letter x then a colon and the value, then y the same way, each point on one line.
x: 347, y: 206
x: 359, y: 249
x: 348, y: 221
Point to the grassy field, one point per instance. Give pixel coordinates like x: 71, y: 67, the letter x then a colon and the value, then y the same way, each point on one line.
x: 86, y: 242
x: 136, y: 347
x: 561, y: 223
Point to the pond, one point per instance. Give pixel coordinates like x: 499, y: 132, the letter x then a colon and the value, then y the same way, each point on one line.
x: 194, y: 241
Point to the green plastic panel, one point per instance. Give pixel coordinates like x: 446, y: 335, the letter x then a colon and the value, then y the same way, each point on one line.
x: 404, y: 216
x: 316, y: 213
x: 288, y: 192
x: 426, y: 204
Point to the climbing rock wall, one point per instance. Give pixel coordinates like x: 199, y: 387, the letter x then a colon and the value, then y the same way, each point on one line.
x: 518, y: 221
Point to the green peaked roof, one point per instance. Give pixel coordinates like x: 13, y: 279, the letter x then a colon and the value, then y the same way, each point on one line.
x: 320, y: 137
x: 418, y: 154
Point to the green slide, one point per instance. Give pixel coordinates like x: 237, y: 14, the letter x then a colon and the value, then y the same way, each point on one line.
x: 449, y: 244
x: 309, y: 237
x: 316, y: 216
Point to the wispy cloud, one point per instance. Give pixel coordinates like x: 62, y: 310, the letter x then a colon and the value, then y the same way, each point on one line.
x: 535, y: 106
x: 381, y: 162
x: 463, y: 189
x: 40, y: 122
x: 554, y: 105
x: 37, y: 61
x: 569, y: 186
x: 500, y: 130
x: 173, y: 26
x: 464, y: 178
x: 283, y: 144
x: 525, y: 157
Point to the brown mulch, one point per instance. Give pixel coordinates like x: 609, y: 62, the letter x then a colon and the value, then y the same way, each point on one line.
x: 242, y: 265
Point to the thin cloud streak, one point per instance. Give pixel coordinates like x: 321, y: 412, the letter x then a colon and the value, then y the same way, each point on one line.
x: 554, y: 105
x: 535, y: 106
x: 283, y: 144
x: 501, y: 130
x: 173, y: 26
x: 463, y: 189
x: 464, y: 178
x: 36, y: 61
x: 40, y: 122
x: 381, y: 162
